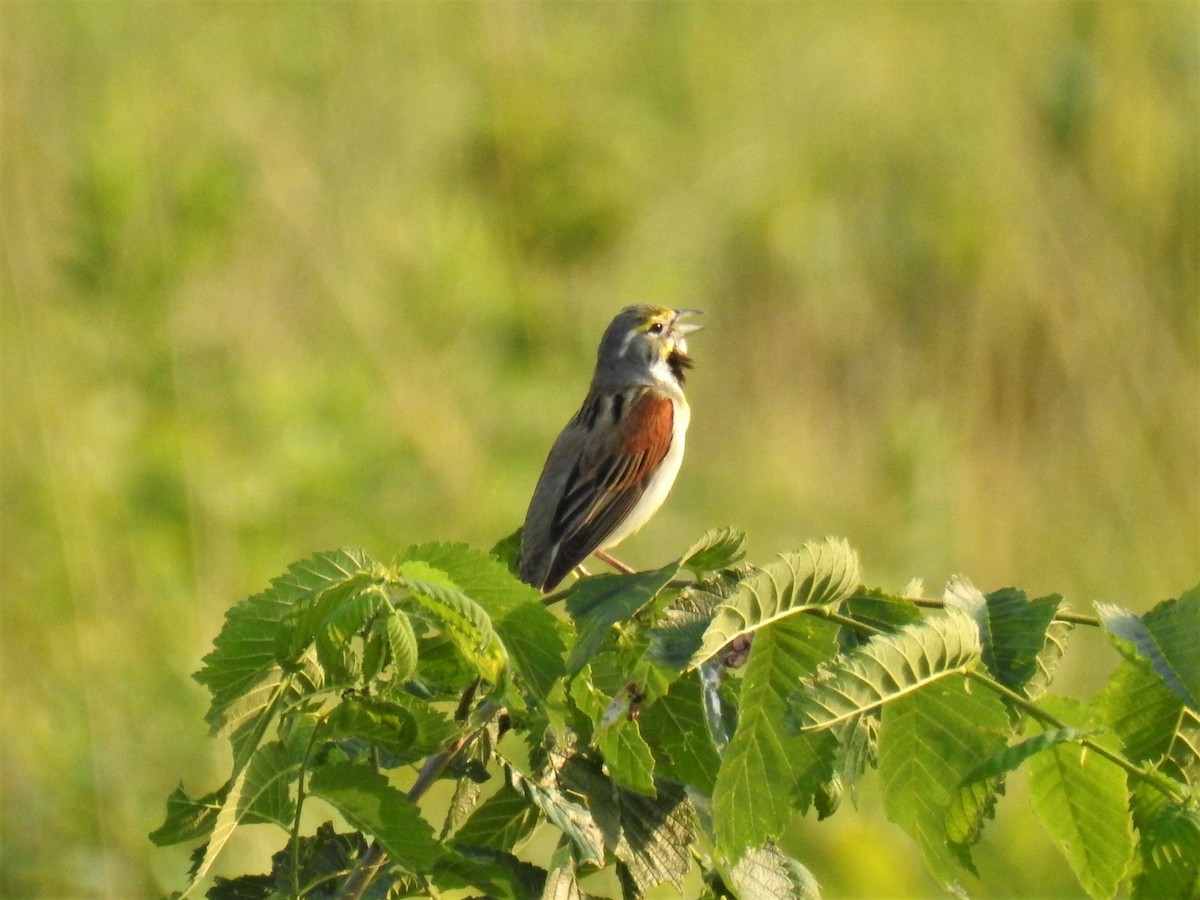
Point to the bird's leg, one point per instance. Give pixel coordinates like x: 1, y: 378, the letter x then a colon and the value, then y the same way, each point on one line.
x: 614, y: 562
x: 581, y: 572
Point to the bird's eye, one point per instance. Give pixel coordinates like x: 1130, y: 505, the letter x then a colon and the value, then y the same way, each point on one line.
x: 656, y: 328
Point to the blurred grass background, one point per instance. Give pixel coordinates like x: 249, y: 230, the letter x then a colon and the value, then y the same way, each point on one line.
x: 284, y: 277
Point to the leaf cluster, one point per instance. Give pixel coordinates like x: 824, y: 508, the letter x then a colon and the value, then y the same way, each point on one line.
x: 668, y: 725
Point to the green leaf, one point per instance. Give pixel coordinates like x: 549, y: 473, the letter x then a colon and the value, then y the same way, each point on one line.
x: 619, y: 739
x: 463, y: 621
x: 680, y: 628
x: 481, y: 576
x: 533, y: 637
x: 189, y: 819
x: 929, y: 740
x: 366, y: 801
x: 767, y: 771
x: 495, y: 874
x: 508, y: 551
x: 657, y: 833
x: 571, y: 818
x: 886, y: 612
x: 767, y: 873
x: 501, y: 822
x: 340, y: 624
x: 401, y: 727
x: 1081, y: 800
x: 1168, y: 636
x: 820, y: 575
x: 599, y: 602
x: 675, y: 728
x: 1047, y: 660
x: 401, y: 642
x: 1012, y: 628
x: 562, y: 882
x: 1169, y: 845
x: 1183, y: 756
x: 651, y: 837
x: 244, y: 658
x: 887, y: 668
x: 1140, y: 709
x: 716, y: 549
x: 266, y: 794
x: 1010, y: 758
x: 464, y: 800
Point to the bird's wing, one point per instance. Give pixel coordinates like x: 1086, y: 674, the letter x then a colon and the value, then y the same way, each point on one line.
x: 613, y: 468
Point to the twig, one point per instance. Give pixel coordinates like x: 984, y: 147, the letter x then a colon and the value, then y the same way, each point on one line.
x: 1060, y: 616
x: 373, y: 860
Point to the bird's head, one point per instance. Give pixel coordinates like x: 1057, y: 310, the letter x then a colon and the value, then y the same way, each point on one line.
x: 646, y: 342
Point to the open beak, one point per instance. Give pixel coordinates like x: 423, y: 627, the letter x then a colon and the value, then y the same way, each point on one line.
x: 683, y: 329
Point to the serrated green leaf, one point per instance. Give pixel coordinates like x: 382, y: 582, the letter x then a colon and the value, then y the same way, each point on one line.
x: 1183, y: 756
x: 533, y: 638
x: 881, y: 610
x: 599, y: 602
x: 561, y: 881
x: 224, y: 824
x: 767, y: 873
x: 766, y: 771
x: 887, y: 668
x: 820, y: 575
x: 676, y: 730
x: 266, y: 794
x: 1048, y: 659
x: 463, y: 621
x: 1168, y: 636
x: 401, y: 642
x: 657, y: 833
x: 188, y: 819
x: 401, y: 727
x: 481, y: 576
x: 929, y: 740
x: 716, y: 549
x: 1010, y: 758
x: 1140, y: 709
x: 366, y: 800
x: 571, y: 818
x: 1081, y: 800
x: 464, y: 800
x: 650, y: 836
x: 620, y: 741
x: 1169, y: 846
x: 501, y: 822
x: 1012, y: 628
x: 339, y: 625
x: 858, y: 747
x: 496, y: 874
x: 679, y: 631
x: 508, y: 551
x: 244, y: 653
x: 318, y: 587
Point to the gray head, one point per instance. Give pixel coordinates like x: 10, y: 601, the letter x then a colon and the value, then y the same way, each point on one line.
x: 645, y: 344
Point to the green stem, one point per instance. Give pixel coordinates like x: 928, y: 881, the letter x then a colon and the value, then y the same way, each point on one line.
x: 1034, y: 711
x: 1060, y: 616
x: 300, y: 795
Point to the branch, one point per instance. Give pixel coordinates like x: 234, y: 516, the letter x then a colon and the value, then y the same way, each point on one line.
x: 373, y: 860
x: 1060, y: 616
x: 1163, y: 786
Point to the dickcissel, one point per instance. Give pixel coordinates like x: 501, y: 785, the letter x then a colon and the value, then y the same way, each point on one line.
x: 612, y: 466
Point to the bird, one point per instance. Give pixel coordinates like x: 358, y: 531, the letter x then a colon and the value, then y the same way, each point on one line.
x: 614, y: 463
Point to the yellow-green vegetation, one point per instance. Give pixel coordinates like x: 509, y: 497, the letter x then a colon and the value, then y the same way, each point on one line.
x: 281, y: 278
